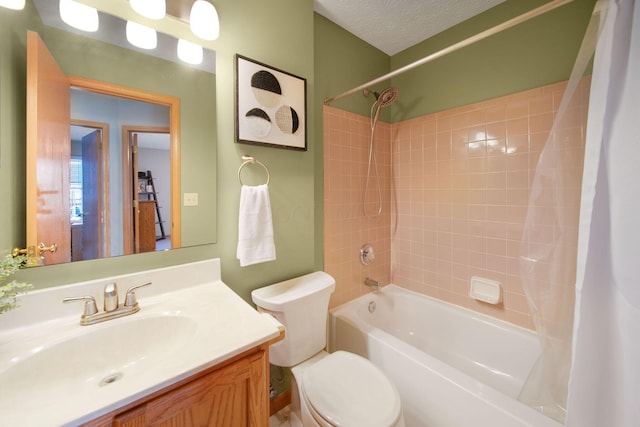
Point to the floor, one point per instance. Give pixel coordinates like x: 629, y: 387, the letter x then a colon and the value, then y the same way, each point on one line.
x: 163, y: 244
x: 280, y: 418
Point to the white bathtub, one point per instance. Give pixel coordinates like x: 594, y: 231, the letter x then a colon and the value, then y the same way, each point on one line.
x: 452, y: 366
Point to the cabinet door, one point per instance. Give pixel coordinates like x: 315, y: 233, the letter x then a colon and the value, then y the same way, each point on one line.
x: 234, y: 396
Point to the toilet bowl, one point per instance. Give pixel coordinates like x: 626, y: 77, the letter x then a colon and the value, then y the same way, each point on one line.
x: 344, y: 389
x: 337, y: 389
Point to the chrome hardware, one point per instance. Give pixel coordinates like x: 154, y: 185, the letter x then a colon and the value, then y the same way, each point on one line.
x: 248, y: 160
x: 110, y: 297
x: 367, y: 254
x: 112, y: 308
x: 130, y: 299
x: 372, y: 306
x: 90, y: 307
x: 372, y: 283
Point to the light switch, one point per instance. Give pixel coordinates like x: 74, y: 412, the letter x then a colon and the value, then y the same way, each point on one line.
x: 191, y: 199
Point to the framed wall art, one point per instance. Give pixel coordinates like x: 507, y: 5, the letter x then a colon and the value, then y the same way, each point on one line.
x: 271, y: 106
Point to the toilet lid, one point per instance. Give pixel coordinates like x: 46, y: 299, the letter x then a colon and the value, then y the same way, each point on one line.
x: 348, y: 390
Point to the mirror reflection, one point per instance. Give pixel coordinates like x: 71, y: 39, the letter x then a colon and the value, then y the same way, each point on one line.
x: 113, y: 30
x: 120, y: 147
x: 104, y: 221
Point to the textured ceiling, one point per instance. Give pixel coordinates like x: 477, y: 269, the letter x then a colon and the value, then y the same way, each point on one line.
x: 394, y: 25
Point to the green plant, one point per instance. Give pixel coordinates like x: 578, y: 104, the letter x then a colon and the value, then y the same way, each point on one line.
x: 9, y: 291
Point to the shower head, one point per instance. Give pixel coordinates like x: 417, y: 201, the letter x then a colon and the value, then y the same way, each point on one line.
x: 387, y: 97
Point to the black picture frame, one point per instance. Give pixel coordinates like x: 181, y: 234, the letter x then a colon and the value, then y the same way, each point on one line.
x: 271, y: 106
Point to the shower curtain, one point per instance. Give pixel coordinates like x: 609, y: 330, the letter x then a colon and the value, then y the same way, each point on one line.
x: 550, y: 237
x: 604, y: 385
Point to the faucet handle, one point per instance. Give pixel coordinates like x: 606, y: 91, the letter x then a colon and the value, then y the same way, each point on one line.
x: 130, y: 299
x: 90, y: 307
x: 110, y: 297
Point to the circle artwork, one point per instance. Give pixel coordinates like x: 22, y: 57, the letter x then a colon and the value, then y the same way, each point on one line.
x: 287, y: 119
x: 266, y: 88
x: 258, y: 122
x: 270, y: 106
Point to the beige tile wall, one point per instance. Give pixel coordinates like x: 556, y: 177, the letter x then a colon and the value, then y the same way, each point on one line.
x: 346, y: 228
x: 461, y: 181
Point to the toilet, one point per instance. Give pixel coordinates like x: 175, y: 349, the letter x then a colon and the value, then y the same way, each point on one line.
x: 337, y: 389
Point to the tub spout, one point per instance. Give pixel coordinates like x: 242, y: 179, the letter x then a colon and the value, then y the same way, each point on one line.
x: 372, y: 283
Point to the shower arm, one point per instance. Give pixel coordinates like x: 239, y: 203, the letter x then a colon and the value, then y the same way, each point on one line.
x: 456, y: 46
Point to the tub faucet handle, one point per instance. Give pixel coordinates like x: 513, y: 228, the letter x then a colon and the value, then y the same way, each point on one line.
x: 367, y: 254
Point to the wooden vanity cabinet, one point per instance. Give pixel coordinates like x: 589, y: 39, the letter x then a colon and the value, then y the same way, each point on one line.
x: 234, y: 393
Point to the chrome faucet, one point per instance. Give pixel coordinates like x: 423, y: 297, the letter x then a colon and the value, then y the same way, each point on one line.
x: 112, y: 308
x: 110, y: 297
x: 372, y: 283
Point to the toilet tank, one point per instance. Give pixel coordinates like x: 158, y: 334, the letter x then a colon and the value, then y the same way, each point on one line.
x: 301, y: 304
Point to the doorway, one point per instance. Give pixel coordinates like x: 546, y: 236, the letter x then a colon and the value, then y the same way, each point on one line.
x: 89, y: 190
x: 146, y: 176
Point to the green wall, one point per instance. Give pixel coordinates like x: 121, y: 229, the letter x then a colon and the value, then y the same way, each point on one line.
x: 535, y: 53
x: 538, y: 52
x: 343, y: 62
x: 279, y: 34
x: 12, y: 134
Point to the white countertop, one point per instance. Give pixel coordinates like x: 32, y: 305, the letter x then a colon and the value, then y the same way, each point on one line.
x: 206, y: 323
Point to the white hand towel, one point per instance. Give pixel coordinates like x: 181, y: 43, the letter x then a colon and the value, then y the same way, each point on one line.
x: 255, y: 227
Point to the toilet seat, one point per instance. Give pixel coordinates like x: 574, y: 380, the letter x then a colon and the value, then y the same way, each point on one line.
x: 345, y: 389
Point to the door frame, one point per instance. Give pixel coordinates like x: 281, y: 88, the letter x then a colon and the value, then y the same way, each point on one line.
x: 173, y: 104
x: 129, y: 182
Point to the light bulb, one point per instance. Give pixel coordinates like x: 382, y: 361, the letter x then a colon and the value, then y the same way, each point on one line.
x: 12, y: 4
x: 141, y: 36
x: 79, y: 16
x: 204, y: 20
x: 190, y: 53
x: 152, y: 9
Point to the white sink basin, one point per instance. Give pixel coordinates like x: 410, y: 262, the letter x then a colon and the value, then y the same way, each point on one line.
x: 97, y: 358
x: 55, y: 372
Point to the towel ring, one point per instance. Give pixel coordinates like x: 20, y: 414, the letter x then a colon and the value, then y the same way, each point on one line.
x: 250, y: 160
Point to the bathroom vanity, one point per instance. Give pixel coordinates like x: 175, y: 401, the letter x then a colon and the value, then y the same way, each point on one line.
x: 194, y: 354
x: 234, y: 393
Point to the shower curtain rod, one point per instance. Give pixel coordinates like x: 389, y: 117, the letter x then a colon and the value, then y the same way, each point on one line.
x: 466, y: 42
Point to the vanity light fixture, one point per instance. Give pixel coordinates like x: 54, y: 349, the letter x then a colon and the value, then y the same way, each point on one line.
x: 79, y: 16
x: 12, y: 4
x: 141, y: 36
x: 204, y: 20
x: 190, y: 53
x: 152, y: 9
